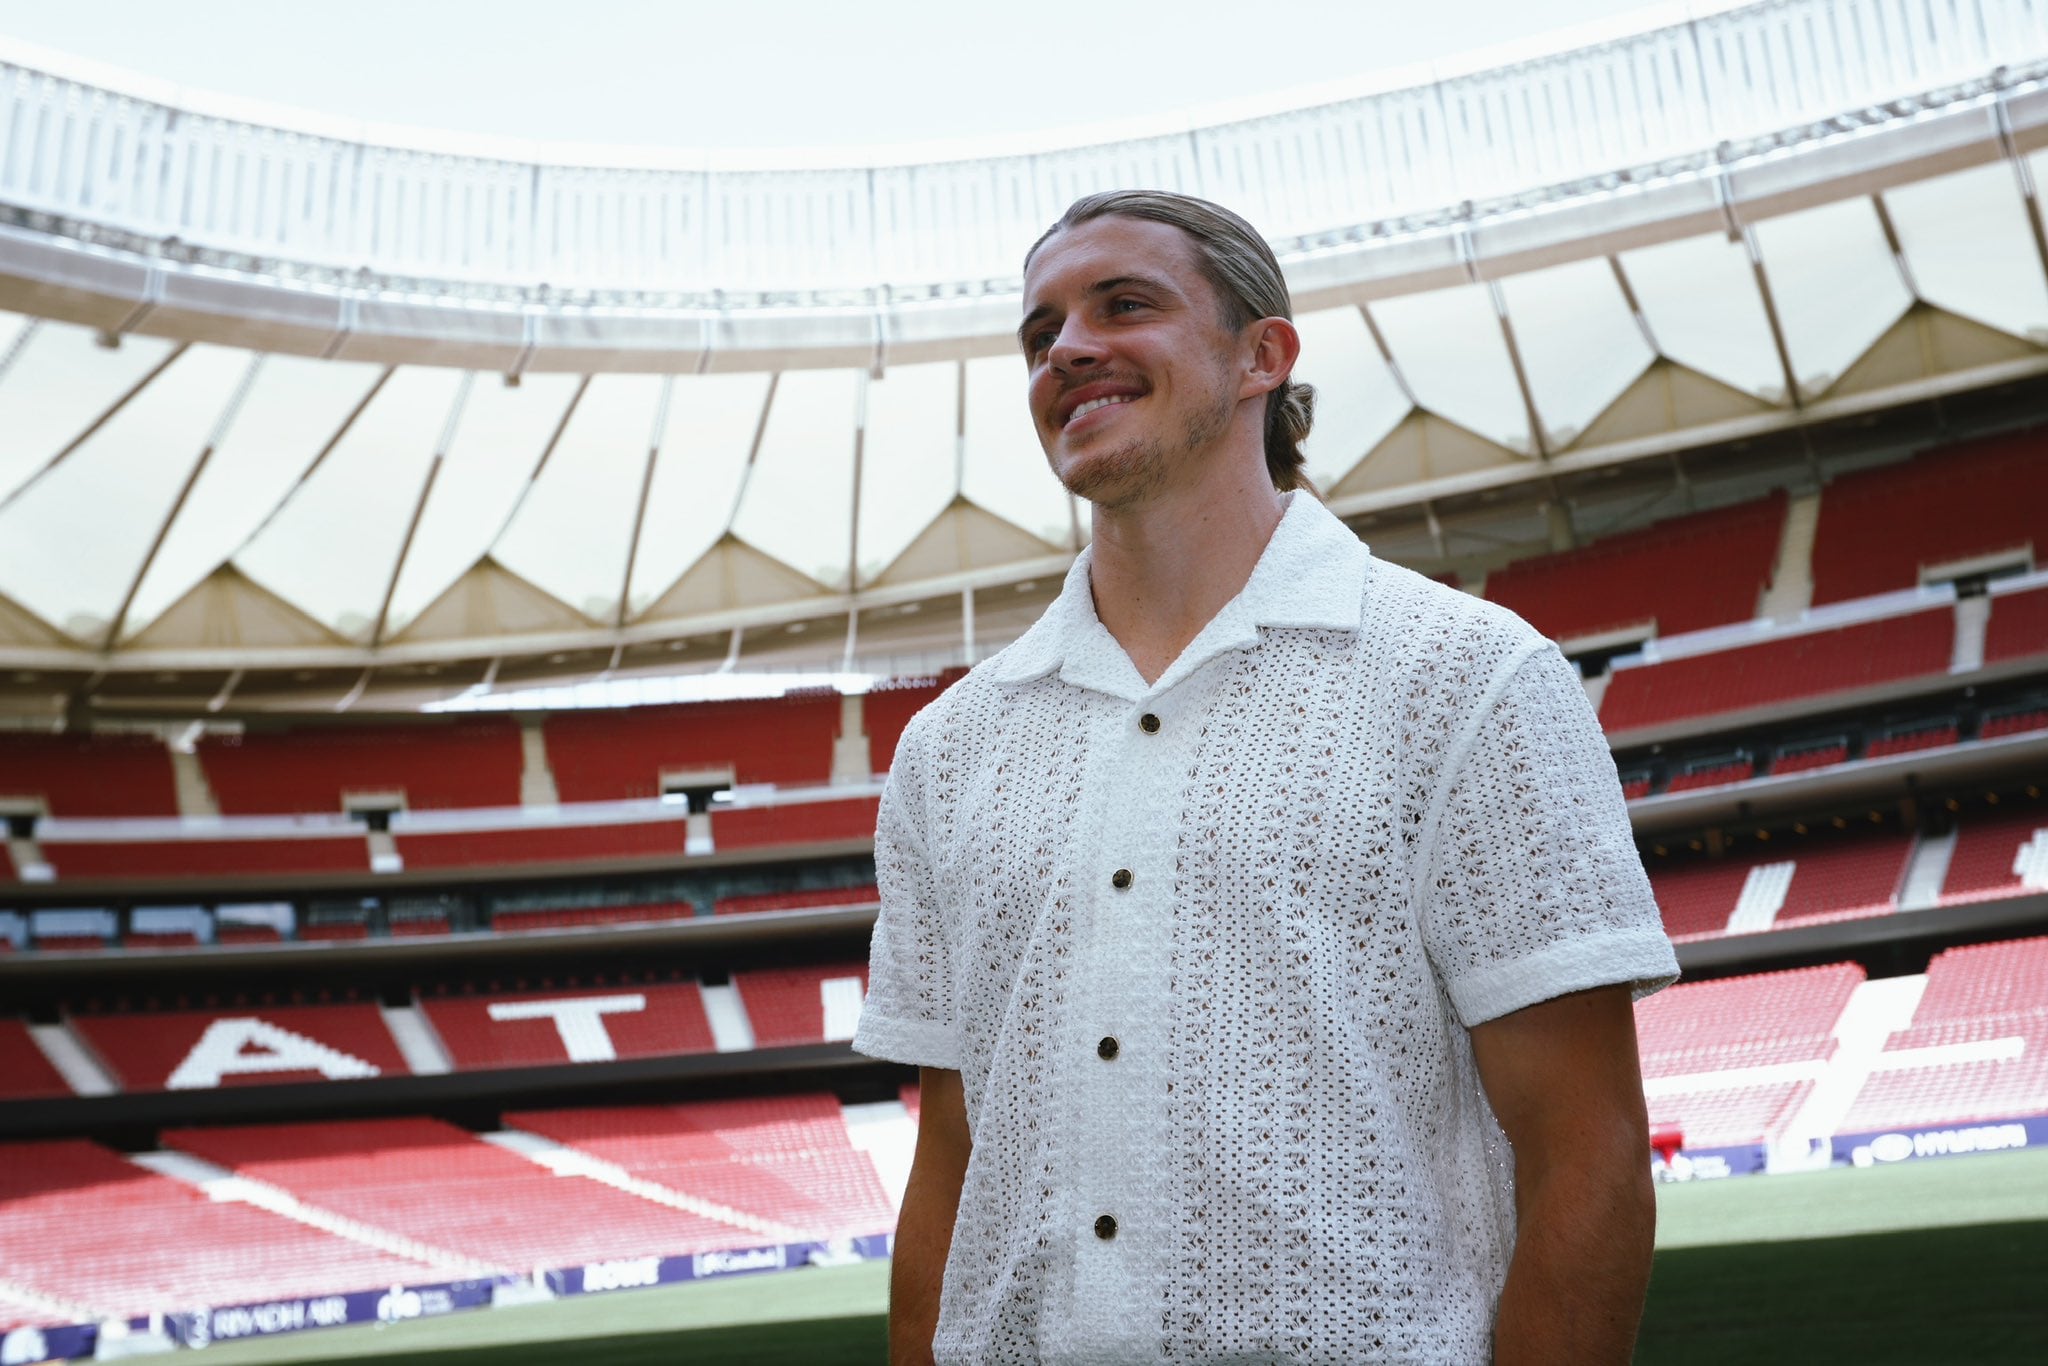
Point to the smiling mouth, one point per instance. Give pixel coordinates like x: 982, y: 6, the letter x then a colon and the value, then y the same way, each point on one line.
x: 1096, y: 403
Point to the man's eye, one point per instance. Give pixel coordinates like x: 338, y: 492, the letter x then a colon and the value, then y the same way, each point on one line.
x: 1125, y: 305
x: 1041, y: 340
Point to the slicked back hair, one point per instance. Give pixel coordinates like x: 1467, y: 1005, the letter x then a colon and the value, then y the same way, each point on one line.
x: 1246, y: 276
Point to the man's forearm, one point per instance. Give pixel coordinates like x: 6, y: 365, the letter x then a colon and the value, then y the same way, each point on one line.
x: 924, y: 1235
x: 1581, y: 1267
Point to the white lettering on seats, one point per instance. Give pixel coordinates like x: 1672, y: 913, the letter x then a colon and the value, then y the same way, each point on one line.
x: 578, y: 1019
x: 841, y: 997
x: 243, y: 1045
x: 2030, y: 862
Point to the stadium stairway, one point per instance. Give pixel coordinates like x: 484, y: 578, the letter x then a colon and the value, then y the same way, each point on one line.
x: 222, y: 1186
x: 564, y: 1160
x: 1791, y: 590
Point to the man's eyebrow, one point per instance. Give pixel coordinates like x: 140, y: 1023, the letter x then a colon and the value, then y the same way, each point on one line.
x: 1113, y: 283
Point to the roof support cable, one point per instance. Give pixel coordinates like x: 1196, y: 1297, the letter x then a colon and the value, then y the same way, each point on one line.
x: 1896, y: 247
x: 1635, y: 306
x: 1539, y: 440
x: 1762, y: 275
x: 419, y: 507
x: 92, y: 429
x: 661, y: 406
x: 533, y: 478
x: 2022, y: 172
x: 320, y: 458
x: 229, y: 411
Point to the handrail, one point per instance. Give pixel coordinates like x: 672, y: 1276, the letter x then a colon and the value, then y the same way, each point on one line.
x: 150, y: 161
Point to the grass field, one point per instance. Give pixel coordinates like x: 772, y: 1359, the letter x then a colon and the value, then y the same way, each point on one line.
x: 1922, y: 1263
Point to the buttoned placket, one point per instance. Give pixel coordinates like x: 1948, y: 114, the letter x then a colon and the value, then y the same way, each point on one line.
x: 1114, y: 1053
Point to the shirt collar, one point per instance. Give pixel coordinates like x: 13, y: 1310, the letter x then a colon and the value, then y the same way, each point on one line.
x: 1311, y: 576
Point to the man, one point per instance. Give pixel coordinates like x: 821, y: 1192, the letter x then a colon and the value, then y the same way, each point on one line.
x: 1265, y: 920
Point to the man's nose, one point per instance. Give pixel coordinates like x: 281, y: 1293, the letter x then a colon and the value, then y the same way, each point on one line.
x: 1076, y: 348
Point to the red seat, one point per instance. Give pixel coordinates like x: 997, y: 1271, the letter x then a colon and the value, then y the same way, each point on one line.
x: 1650, y: 575
x: 1781, y: 670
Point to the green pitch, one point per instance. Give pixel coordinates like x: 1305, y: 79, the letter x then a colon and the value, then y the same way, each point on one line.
x: 1926, y: 1262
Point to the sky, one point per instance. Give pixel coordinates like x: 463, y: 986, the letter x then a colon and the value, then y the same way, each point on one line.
x: 769, y: 73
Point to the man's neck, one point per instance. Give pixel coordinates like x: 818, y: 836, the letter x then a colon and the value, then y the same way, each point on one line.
x: 1162, y: 571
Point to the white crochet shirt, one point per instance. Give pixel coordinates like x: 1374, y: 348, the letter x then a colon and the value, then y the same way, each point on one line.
x: 1360, y: 813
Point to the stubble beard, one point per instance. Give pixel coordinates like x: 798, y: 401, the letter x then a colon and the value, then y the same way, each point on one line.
x: 1131, y: 474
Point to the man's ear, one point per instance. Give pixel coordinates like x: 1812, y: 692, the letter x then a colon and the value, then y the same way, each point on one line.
x: 1275, y: 348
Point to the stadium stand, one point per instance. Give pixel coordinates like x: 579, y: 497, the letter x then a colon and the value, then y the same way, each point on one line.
x: 89, y: 775
x: 1806, y: 759
x: 1635, y: 786
x: 753, y: 827
x: 781, y: 1158
x: 1715, y: 775
x: 1998, y: 854
x: 468, y: 763
x: 1880, y: 527
x: 607, y: 755
x: 578, y: 917
x: 70, y: 943
x: 1717, y: 1027
x: 1910, y: 741
x: 344, y: 851
x: 1812, y: 664
x: 538, y: 1028
x: 442, y: 1187
x: 7, y: 872
x: 228, y: 933
x: 83, y: 1224
x: 2013, y: 723
x: 200, y: 1049
x: 1986, y: 1000
x: 25, y: 1074
x: 810, y: 898
x: 541, y: 844
x: 1838, y: 877
x: 802, y: 1005
x: 1650, y: 575
x: 2018, y: 626
x: 161, y: 939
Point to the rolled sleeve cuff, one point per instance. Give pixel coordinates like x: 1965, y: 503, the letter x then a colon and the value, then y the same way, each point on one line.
x: 1642, y: 958
x: 920, y: 1043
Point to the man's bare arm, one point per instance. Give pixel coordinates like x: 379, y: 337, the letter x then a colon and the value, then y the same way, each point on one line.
x: 924, y: 1229
x: 1564, y: 1080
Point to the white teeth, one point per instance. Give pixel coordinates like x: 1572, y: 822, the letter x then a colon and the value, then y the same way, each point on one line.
x: 1092, y: 404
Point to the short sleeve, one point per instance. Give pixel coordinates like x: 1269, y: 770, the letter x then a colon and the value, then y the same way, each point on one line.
x: 908, y: 1016
x: 1534, y: 886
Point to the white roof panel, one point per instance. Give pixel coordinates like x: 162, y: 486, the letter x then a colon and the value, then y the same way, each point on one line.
x: 575, y: 527
x: 910, y: 456
x: 71, y: 546
x: 712, y: 420
x: 1970, y: 248
x: 332, y: 547
x: 293, y: 407
x: 798, y: 504
x: 498, y: 440
x: 1005, y: 469
x: 1836, y: 285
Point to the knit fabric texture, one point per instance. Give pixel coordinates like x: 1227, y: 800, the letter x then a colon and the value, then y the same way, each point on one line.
x: 1204, y: 953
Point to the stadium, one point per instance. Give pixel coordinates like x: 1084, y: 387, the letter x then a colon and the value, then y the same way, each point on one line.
x: 460, y: 600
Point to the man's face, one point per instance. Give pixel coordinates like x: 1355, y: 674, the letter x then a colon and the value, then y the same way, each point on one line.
x: 1132, y: 374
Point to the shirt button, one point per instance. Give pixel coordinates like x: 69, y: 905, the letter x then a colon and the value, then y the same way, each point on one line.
x: 1120, y: 879
x: 1105, y: 1228
x: 1149, y: 723
x: 1107, y: 1049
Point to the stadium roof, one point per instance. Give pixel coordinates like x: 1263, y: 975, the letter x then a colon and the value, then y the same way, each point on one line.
x: 294, y: 411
